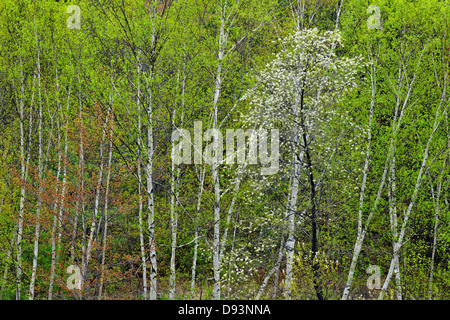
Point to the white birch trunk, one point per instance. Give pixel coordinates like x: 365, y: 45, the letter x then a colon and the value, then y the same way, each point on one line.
x: 276, y: 270
x: 362, y: 229
x: 290, y: 241
x: 282, y: 242
x: 399, y: 242
x: 436, y: 197
x: 55, y: 218
x: 393, y: 223
x: 174, y: 192
x: 96, y: 201
x: 105, y: 230
x: 231, y: 260
x: 150, y: 201
x: 40, y: 174
x: 23, y: 176
x: 199, y: 200
x: 292, y: 204
x: 64, y: 182
x: 174, y: 227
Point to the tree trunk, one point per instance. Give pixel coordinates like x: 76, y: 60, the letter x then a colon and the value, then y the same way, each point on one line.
x: 139, y: 174
x: 85, y: 272
x: 40, y: 182
x: 174, y: 192
x: 55, y: 218
x: 105, y: 230
x: 436, y: 199
x: 399, y: 242
x: 23, y: 175
x: 197, y: 211
x: 80, y: 195
x: 150, y: 201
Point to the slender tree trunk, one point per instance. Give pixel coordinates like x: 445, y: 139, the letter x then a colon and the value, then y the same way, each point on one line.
x: 393, y: 223
x: 396, y: 123
x: 399, y: 242
x: 282, y: 242
x: 80, y: 196
x: 8, y: 257
x: 81, y: 205
x: 149, y: 169
x: 174, y: 193
x: 64, y: 182
x: 141, y: 231
x: 436, y: 197
x: 55, y: 207
x: 174, y: 226
x: 105, y: 230
x: 216, y: 242
x: 96, y: 200
x: 23, y: 175
x: 22, y: 189
x: 297, y: 156
x: 276, y: 268
x: 290, y: 241
x: 40, y: 182
x: 150, y: 198
x: 197, y: 215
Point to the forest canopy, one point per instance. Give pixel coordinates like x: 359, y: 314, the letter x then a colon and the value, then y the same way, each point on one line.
x: 224, y: 149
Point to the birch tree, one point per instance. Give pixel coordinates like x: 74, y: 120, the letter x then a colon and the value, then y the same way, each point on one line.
x: 40, y: 174
x: 400, y: 65
x: 229, y: 35
x: 289, y: 94
x: 399, y: 243
x: 105, y: 229
x: 436, y: 195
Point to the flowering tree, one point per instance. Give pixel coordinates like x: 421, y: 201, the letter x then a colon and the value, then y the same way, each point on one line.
x: 297, y: 93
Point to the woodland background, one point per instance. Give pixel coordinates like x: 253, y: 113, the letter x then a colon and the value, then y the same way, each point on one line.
x: 87, y: 176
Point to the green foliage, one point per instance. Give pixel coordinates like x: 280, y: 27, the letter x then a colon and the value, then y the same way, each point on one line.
x: 130, y: 55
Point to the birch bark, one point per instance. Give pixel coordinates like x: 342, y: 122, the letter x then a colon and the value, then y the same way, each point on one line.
x: 197, y: 215
x: 215, y: 165
x: 85, y: 269
x: 23, y: 173
x: 436, y: 199
x: 40, y: 182
x: 399, y: 243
